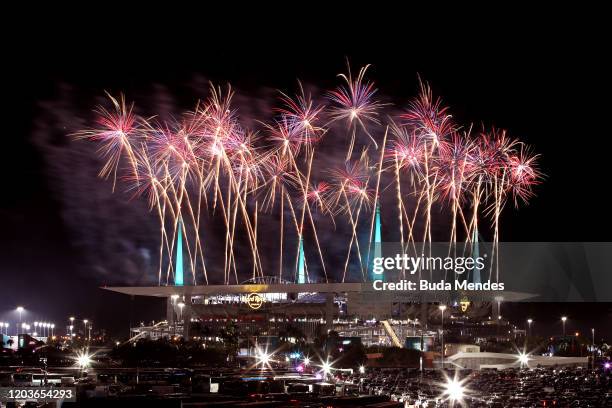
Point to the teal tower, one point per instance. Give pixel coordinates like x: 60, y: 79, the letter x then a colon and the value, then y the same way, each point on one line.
x: 377, y: 245
x: 178, y: 268
x: 301, y: 272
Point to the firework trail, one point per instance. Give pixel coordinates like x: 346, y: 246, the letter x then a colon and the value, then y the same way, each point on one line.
x: 206, y: 163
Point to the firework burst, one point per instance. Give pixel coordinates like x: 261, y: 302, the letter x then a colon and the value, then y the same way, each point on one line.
x: 207, y: 163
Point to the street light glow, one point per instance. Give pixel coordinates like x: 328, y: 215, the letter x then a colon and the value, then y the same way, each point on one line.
x: 20, y: 309
x: 361, y: 369
x: 327, y: 367
x: 454, y: 390
x: 306, y: 361
x: 83, y: 359
x: 264, y: 358
x: 523, y: 358
x: 563, y: 319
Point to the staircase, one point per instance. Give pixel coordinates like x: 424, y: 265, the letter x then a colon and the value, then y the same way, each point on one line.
x: 391, y: 333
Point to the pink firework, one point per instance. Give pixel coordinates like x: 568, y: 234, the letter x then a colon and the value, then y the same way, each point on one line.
x: 318, y: 195
x: 455, y: 166
x: 490, y: 159
x: 117, y: 130
x: 429, y: 117
x: 168, y: 149
x: 286, y: 136
x: 277, y: 177
x: 354, y: 102
x: 149, y: 182
x: 247, y: 162
x: 304, y: 116
x: 406, y: 149
x: 219, y: 128
x: 524, y: 174
x: 351, y: 185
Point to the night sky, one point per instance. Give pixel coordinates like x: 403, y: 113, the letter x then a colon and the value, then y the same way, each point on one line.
x: 547, y: 88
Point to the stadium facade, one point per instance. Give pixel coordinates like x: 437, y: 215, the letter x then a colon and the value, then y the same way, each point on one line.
x: 269, y: 306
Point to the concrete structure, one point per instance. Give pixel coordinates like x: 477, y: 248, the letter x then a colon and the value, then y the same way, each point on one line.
x: 312, y: 308
x: 500, y: 361
x: 454, y: 348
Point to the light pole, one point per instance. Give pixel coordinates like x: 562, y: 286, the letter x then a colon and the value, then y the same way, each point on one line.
x: 20, y: 311
x: 181, y: 305
x: 85, y: 327
x: 563, y: 320
x: 52, y: 329
x: 529, y: 321
x: 174, y: 321
x: 442, y: 309
x: 499, y: 300
x: 71, y: 318
x: 593, y: 347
